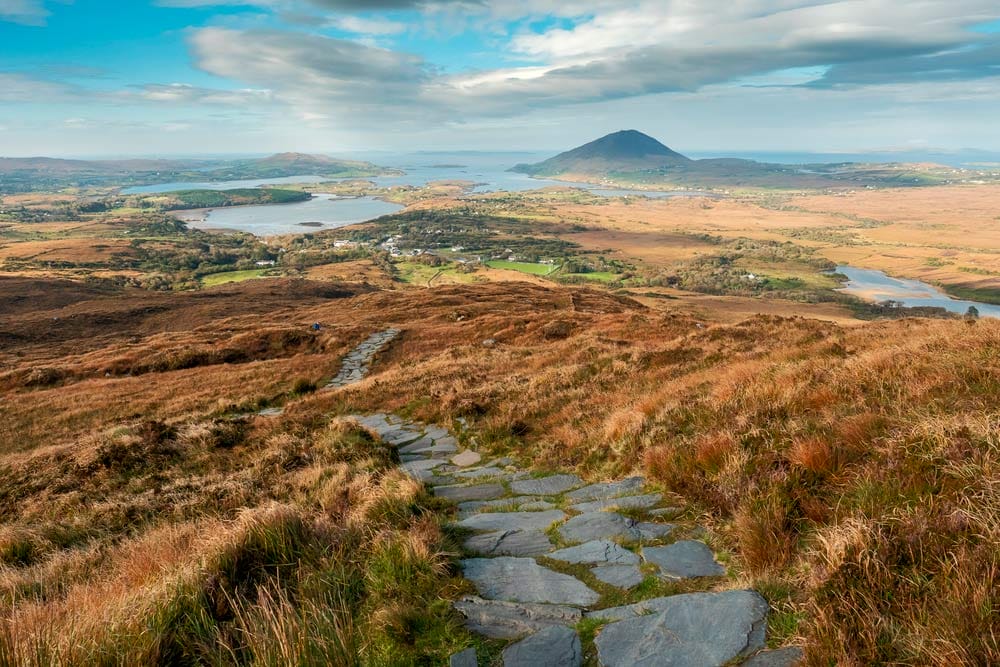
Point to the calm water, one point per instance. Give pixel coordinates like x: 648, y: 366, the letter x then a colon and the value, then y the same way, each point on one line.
x: 490, y: 171
x: 220, y: 185
x: 876, y: 286
x: 273, y: 219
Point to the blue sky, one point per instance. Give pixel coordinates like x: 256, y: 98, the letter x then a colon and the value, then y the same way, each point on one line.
x: 157, y: 77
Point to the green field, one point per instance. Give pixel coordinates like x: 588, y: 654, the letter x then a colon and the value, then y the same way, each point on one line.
x: 214, y: 279
x: 421, y: 274
x: 523, y: 267
x: 596, y: 276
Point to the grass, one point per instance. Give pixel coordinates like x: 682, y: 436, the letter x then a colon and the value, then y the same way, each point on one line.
x: 523, y: 267
x: 214, y: 279
x: 595, y: 276
x: 277, y: 566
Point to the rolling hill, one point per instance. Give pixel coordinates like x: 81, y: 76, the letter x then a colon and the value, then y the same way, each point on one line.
x: 41, y: 173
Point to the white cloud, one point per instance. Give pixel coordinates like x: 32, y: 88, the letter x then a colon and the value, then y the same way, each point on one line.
x: 367, y: 26
x: 26, y: 12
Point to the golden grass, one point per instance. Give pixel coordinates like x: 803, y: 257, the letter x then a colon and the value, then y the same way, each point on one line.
x: 852, y: 473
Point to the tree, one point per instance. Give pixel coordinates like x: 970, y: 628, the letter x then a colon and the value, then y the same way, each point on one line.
x: 972, y: 313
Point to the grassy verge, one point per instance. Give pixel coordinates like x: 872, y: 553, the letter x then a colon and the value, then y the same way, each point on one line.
x: 288, y: 544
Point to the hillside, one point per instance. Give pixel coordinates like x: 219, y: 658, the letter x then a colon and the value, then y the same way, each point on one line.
x: 144, y: 518
x: 36, y: 174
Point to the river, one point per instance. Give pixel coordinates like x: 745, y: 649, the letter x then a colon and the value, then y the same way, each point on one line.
x: 876, y: 286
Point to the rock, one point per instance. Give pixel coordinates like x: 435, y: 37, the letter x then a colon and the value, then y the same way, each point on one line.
x: 703, y: 629
x: 546, y: 486
x: 466, y: 658
x: 416, y: 446
x: 599, y: 526
x: 489, y: 505
x: 606, y: 490
x: 555, y: 646
x: 436, y: 432
x: 536, y: 506
x: 789, y: 656
x: 439, y: 480
x: 597, y: 552
x: 510, y: 543
x: 666, y: 511
x: 509, y: 620
x: 466, y: 459
x: 480, y: 472
x: 460, y: 493
x: 419, y: 465
x: 524, y: 580
x: 654, y: 531
x: 685, y: 559
x: 512, y: 520
x: 622, y: 576
x: 625, y: 502
x: 447, y: 441
x: 438, y: 449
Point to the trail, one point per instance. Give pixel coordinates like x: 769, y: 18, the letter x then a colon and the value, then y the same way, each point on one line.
x: 549, y: 554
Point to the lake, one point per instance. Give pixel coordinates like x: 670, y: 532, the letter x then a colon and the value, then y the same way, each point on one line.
x: 221, y: 185
x: 273, y: 219
x: 876, y: 286
x: 490, y: 171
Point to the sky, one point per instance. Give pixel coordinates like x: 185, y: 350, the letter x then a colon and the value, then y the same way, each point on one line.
x: 208, y: 77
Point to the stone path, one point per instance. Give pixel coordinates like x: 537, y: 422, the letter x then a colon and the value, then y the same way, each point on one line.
x: 546, y: 550
x: 353, y: 368
x: 355, y: 365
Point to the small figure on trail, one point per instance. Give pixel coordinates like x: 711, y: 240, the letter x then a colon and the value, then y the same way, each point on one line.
x: 316, y: 326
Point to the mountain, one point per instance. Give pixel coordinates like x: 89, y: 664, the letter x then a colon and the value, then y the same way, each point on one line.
x: 632, y: 159
x: 624, y: 151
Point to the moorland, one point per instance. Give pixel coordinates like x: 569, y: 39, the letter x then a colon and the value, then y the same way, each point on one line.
x: 841, y: 455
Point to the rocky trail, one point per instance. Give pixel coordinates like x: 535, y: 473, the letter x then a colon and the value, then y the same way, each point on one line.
x: 571, y: 572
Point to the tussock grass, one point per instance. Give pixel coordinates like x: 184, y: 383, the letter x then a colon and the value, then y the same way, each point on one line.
x: 851, y: 474
x: 289, y: 546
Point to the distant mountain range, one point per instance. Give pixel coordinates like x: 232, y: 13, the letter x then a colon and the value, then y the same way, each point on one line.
x: 629, y: 157
x: 42, y: 173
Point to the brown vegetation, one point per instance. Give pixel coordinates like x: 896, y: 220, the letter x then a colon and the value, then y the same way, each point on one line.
x: 851, y: 473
